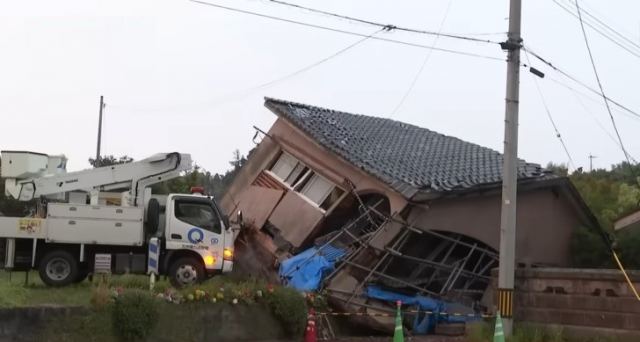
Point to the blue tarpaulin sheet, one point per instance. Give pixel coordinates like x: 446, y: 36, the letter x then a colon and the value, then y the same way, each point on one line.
x: 305, y: 271
x: 423, y: 323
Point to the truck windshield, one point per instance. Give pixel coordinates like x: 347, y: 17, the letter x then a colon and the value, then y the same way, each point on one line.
x: 198, y: 213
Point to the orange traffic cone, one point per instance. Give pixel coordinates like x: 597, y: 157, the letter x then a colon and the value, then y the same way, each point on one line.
x: 310, y: 332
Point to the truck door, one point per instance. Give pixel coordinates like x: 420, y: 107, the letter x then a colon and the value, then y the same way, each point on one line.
x: 195, y: 224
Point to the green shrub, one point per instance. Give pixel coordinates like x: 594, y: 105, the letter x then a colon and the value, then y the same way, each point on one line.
x: 134, y: 315
x: 589, y: 250
x: 290, y: 308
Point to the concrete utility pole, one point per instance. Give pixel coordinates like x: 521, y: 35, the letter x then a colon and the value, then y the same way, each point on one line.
x: 591, y: 158
x: 506, y: 274
x: 100, y: 127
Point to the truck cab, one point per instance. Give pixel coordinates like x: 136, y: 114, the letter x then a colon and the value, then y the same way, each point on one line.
x: 196, y: 234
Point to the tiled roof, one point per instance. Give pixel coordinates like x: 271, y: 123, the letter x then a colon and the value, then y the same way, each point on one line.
x: 408, y: 158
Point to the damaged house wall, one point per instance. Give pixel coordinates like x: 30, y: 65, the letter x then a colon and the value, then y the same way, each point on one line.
x: 289, y: 211
x: 414, y: 210
x: 545, y: 220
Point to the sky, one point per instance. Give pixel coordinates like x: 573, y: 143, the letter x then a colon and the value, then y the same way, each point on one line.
x: 181, y: 76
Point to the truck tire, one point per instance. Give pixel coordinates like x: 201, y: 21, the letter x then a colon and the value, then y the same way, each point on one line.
x: 58, y: 268
x: 186, y: 271
x: 82, y: 275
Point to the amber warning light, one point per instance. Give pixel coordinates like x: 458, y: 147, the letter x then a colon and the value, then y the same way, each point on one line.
x: 197, y: 190
x: 227, y: 254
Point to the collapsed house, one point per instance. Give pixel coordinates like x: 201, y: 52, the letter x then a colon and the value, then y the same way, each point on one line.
x: 407, y: 209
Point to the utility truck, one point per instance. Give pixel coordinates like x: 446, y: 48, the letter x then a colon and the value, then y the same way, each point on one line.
x: 106, y: 219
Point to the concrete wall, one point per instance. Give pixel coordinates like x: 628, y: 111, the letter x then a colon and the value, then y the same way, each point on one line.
x: 545, y: 221
x: 26, y: 324
x: 579, y: 298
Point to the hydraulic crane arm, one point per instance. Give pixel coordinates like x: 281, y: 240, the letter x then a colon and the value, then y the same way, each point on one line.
x: 134, y: 176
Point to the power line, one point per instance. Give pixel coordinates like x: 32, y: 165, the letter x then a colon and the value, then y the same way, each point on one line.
x: 595, y: 71
x: 424, y: 63
x: 553, y: 123
x: 327, y: 28
x: 315, y: 64
x: 576, y: 80
x: 576, y: 93
x: 603, y: 24
x: 605, y: 35
x: 241, y: 94
x: 395, y: 27
x: 600, y: 125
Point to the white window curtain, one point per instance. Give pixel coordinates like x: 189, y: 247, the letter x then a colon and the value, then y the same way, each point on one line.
x: 285, y: 164
x: 317, y: 189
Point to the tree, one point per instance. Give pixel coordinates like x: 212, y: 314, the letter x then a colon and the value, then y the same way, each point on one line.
x: 609, y: 194
x: 558, y: 169
x: 214, y: 184
x: 109, y: 160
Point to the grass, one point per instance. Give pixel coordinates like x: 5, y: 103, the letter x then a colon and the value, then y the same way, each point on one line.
x: 14, y: 292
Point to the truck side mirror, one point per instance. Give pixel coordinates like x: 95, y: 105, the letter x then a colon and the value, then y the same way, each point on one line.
x: 225, y: 220
x: 239, y: 219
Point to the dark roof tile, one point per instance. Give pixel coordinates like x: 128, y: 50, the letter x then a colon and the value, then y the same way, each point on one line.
x: 406, y: 157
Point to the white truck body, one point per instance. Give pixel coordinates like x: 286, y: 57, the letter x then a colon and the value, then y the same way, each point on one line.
x: 192, y: 231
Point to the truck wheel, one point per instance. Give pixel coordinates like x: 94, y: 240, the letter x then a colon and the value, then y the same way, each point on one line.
x: 58, y: 268
x: 82, y: 275
x: 186, y: 271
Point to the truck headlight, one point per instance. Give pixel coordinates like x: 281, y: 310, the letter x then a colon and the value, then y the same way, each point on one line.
x: 227, y: 254
x: 209, y: 260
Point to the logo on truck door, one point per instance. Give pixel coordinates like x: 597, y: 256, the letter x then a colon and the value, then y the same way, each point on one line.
x: 195, y: 235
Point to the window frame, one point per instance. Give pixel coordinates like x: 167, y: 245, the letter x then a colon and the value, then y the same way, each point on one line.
x: 302, y: 179
x: 217, y: 226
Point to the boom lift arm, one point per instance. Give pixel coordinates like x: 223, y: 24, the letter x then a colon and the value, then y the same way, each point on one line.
x: 135, y: 176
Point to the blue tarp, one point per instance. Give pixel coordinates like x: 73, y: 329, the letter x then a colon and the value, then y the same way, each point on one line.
x: 305, y: 271
x: 423, y: 323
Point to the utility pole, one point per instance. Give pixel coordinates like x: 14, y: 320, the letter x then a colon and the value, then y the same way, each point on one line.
x: 99, y: 127
x: 506, y: 275
x: 591, y: 158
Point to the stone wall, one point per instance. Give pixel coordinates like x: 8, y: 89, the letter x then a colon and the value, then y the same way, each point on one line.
x: 588, y: 298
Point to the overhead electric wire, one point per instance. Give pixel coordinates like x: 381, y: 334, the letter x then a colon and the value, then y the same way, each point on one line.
x: 424, y: 63
x: 605, y: 25
x: 605, y: 35
x: 576, y: 80
x: 577, y: 93
x: 332, y: 29
x: 595, y: 71
x: 395, y: 27
x: 315, y: 64
x: 553, y: 123
x: 600, y: 125
x: 241, y: 94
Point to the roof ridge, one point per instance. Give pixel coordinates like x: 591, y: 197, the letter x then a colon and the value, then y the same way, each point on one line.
x: 408, y: 157
x: 325, y: 109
